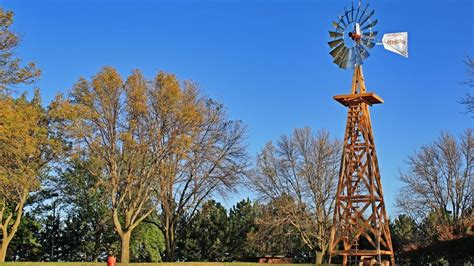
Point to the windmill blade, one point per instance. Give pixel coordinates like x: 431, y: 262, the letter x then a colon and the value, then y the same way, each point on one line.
x: 363, y: 52
x: 340, y: 57
x: 347, y: 16
x: 352, y: 12
x: 341, y: 21
x: 357, y: 14
x: 368, y: 44
x: 367, y: 18
x: 343, y: 61
x: 335, y: 34
x: 370, y: 25
x: 349, y: 57
x: 334, y: 43
x: 370, y: 35
x: 357, y: 57
x: 337, y: 26
x: 336, y: 50
x: 362, y: 14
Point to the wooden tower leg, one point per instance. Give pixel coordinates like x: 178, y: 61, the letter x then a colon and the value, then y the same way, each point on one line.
x: 360, y: 222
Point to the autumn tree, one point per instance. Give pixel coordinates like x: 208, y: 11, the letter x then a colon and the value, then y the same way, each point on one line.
x: 205, y: 154
x: 106, y: 121
x: 25, y: 150
x: 11, y: 71
x: 145, y: 140
x: 299, y: 174
x: 23, y: 134
x: 439, y: 180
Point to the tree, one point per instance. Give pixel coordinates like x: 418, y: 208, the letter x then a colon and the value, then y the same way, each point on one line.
x: 147, y: 243
x: 11, y: 73
x: 21, y: 123
x: 88, y: 227
x: 109, y: 126
x: 210, y: 157
x: 142, y: 136
x: 242, y: 222
x: 300, y: 174
x: 439, y: 179
x: 52, y: 233
x: 212, y: 235
x: 468, y: 100
x: 276, y: 236
x: 26, y: 246
x: 206, y: 234
x: 25, y: 150
x: 405, y: 233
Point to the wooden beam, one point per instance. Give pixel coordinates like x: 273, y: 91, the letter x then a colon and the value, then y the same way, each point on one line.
x: 354, y: 252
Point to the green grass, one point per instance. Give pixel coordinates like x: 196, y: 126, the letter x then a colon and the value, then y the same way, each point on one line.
x: 146, y: 264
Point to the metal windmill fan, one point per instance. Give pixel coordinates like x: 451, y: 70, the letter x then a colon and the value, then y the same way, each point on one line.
x: 354, y: 36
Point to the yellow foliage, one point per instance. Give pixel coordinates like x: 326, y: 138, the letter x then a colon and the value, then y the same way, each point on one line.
x: 137, y: 94
x: 148, y: 136
x: 23, y: 144
x: 12, y: 73
x: 133, y: 131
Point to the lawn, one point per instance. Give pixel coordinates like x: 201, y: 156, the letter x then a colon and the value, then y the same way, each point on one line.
x: 146, y: 264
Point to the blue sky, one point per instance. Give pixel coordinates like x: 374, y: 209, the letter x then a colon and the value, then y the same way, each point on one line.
x: 267, y: 61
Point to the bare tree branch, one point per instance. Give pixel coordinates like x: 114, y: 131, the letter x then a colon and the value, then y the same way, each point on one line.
x: 440, y: 178
x: 299, y: 176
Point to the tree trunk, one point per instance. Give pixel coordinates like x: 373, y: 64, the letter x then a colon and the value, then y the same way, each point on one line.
x: 167, y: 247
x: 319, y: 257
x: 170, y: 243
x: 8, y: 237
x: 3, y: 251
x: 125, y: 251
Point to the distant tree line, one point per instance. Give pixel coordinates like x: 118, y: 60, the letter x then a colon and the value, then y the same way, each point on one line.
x: 135, y: 166
x: 214, y: 234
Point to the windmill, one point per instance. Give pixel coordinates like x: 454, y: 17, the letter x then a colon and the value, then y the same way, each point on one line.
x: 360, y: 228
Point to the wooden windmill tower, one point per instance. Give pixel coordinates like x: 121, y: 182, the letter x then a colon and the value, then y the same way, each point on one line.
x: 360, y: 224
x: 360, y: 216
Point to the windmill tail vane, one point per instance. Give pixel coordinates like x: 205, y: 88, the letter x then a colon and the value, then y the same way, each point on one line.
x: 396, y: 43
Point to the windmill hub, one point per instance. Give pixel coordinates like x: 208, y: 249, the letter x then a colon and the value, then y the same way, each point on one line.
x: 352, y: 35
x: 356, y: 35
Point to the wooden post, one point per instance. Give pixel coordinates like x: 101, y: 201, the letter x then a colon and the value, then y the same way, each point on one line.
x: 360, y: 222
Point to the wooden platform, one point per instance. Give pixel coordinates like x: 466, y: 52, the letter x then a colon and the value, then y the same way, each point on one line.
x: 351, y: 99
